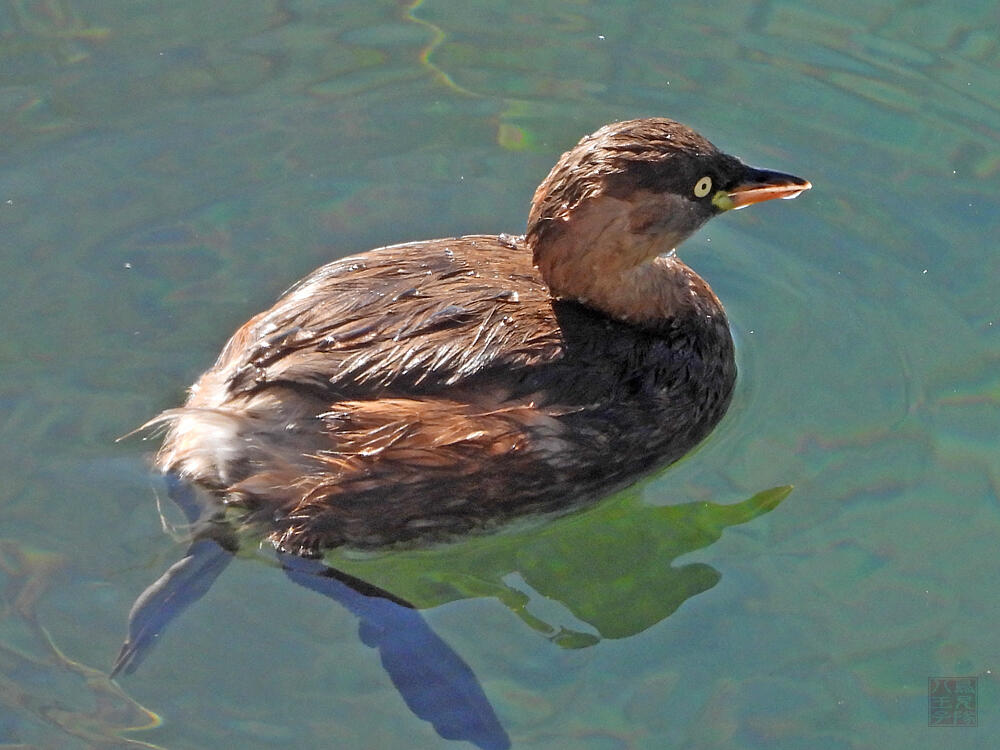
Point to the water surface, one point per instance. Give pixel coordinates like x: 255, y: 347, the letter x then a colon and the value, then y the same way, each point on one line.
x: 167, y: 169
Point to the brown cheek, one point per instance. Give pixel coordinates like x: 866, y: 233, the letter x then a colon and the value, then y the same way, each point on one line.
x: 644, y: 219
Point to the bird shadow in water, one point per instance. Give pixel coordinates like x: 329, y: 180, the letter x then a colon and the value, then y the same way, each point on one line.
x: 611, y: 566
x: 433, y: 680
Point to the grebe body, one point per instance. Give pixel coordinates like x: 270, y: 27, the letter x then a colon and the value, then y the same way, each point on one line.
x: 435, y: 388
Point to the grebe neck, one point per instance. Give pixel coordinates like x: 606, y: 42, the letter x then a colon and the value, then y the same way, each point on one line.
x: 617, y: 258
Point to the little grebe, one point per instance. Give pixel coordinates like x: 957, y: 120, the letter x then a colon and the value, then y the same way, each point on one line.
x: 422, y: 390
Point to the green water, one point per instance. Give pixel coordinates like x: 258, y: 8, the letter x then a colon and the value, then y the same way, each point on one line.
x: 167, y: 169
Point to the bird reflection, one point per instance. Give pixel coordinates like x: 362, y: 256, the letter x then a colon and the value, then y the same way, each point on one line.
x: 611, y: 567
x: 433, y: 680
x: 437, y: 685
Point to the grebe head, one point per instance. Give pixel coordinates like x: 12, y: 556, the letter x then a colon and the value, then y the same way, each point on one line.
x: 629, y: 192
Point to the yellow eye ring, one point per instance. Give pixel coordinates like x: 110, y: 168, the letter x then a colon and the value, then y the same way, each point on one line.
x: 703, y: 187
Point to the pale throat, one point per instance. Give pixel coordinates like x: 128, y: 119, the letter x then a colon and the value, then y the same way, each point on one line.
x: 602, y: 261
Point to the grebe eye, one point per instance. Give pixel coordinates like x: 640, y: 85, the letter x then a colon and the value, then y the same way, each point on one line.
x: 703, y: 187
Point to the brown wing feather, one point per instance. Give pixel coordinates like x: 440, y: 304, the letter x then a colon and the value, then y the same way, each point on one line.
x: 395, y: 469
x: 398, y: 316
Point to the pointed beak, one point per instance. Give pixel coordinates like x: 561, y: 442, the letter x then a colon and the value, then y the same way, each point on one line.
x: 760, y: 185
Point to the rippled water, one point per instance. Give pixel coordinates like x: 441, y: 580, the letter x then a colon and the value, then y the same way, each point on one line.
x: 167, y: 169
